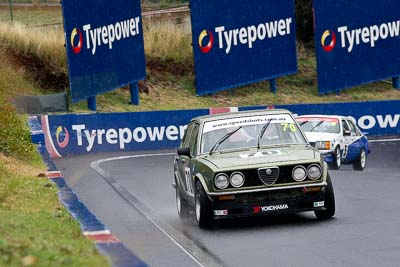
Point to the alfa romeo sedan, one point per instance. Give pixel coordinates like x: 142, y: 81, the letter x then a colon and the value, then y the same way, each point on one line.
x: 249, y: 163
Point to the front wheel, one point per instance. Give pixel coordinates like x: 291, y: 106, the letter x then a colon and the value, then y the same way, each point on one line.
x: 181, y: 203
x: 329, y: 202
x: 361, y: 162
x: 202, y: 207
x: 337, y: 159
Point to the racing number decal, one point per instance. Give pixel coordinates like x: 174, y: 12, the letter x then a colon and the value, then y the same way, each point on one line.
x: 345, y: 151
x: 288, y: 127
x: 188, y: 176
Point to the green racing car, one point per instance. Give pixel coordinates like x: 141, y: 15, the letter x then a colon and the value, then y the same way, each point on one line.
x: 249, y: 163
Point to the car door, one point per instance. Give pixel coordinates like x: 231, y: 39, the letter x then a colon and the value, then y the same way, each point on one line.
x: 189, y: 167
x: 182, y: 161
x: 356, y: 142
x: 185, y: 165
x: 346, y: 139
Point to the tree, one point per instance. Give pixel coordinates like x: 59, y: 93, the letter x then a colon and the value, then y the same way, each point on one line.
x: 304, y: 21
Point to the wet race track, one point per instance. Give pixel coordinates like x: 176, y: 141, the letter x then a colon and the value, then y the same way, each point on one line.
x: 132, y: 195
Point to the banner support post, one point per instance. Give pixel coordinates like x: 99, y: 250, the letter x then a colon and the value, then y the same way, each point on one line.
x: 11, y: 12
x: 91, y: 101
x: 134, y: 89
x: 272, y: 85
x: 396, y: 82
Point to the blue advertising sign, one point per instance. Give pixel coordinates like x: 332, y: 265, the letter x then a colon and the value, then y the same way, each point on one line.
x: 104, y: 42
x: 237, y: 42
x: 356, y: 42
x: 373, y: 117
x: 75, y: 134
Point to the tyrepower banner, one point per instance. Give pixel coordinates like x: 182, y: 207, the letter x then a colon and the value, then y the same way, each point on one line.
x: 75, y: 134
x: 240, y: 42
x: 356, y: 42
x: 104, y: 41
x: 373, y: 118
x: 108, y: 132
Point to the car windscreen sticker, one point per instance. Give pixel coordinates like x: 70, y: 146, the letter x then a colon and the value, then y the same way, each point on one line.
x: 333, y: 120
x: 245, y: 121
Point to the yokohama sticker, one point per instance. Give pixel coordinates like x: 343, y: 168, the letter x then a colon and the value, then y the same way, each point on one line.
x: 259, y: 209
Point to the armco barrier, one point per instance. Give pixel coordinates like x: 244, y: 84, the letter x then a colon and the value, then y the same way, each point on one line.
x: 74, y: 134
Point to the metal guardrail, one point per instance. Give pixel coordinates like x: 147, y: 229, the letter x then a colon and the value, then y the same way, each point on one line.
x: 160, y: 13
x: 167, y: 11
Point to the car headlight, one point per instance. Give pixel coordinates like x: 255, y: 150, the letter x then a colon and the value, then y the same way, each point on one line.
x: 314, y: 172
x: 221, y: 181
x: 299, y: 173
x: 237, y: 179
x: 325, y: 145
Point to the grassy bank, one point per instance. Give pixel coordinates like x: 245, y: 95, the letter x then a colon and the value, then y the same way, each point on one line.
x: 43, y: 44
x: 34, y: 228
x: 170, y: 78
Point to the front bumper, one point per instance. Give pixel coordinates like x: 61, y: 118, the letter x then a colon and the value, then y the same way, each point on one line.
x: 327, y: 156
x: 263, y: 203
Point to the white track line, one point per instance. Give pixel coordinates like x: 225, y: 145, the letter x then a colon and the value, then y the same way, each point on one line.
x: 383, y: 140
x: 98, y: 162
x: 96, y: 166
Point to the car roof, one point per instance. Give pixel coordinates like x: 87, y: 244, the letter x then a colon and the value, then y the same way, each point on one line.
x: 229, y: 115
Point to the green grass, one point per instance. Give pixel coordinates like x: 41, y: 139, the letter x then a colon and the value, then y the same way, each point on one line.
x: 34, y: 227
x: 14, y: 135
x: 32, y: 16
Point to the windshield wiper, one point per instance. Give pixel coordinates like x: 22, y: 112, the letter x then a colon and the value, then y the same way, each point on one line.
x: 223, y: 139
x: 316, y: 125
x: 264, y: 128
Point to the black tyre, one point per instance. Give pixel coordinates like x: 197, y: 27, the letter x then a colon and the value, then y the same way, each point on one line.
x: 203, y: 210
x: 329, y: 202
x: 361, y: 162
x: 337, y: 159
x: 181, y: 203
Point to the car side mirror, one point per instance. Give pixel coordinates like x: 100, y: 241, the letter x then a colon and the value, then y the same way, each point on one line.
x: 346, y: 132
x: 184, y: 151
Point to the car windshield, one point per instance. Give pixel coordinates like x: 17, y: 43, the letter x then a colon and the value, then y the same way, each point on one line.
x: 278, y: 129
x: 319, y: 125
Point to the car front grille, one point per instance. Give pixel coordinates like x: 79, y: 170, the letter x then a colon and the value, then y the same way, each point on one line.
x: 279, y: 175
x: 268, y: 175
